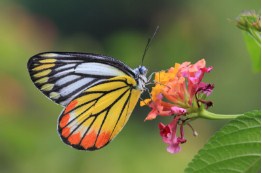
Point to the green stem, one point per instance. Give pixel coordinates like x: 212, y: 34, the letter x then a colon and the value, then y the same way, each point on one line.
x: 209, y: 115
x: 212, y: 116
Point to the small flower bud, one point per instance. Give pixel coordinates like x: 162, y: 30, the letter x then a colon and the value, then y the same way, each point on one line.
x: 249, y: 20
x: 195, y: 133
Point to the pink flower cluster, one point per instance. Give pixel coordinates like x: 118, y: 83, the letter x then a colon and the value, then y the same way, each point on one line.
x: 177, y: 92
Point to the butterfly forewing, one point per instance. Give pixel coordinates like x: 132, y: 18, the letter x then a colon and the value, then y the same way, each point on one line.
x: 62, y: 76
x: 94, y: 117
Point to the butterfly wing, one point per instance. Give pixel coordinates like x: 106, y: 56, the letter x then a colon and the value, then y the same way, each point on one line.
x: 92, y: 119
x: 61, y: 76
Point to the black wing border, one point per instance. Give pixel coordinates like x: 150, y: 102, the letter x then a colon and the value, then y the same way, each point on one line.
x: 85, y: 57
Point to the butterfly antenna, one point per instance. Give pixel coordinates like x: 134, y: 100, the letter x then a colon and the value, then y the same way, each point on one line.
x: 148, y: 44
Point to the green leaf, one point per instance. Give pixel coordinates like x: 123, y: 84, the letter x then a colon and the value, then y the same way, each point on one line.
x: 233, y: 149
x: 253, y: 48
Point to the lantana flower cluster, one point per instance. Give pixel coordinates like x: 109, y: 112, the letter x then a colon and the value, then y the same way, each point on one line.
x: 178, y: 92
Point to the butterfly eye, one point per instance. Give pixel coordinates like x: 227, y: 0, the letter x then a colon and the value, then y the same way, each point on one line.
x: 142, y: 70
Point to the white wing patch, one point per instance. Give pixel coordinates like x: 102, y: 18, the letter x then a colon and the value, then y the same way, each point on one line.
x: 74, y: 86
x: 65, y: 67
x: 67, y: 79
x: 98, y: 69
x: 63, y: 73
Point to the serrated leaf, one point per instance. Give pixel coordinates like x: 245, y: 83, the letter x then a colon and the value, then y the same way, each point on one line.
x: 233, y: 149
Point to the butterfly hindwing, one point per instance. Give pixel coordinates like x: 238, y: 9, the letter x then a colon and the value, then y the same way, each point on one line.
x: 94, y: 117
x: 62, y: 76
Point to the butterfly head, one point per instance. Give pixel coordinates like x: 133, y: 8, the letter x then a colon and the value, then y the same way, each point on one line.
x: 141, y: 78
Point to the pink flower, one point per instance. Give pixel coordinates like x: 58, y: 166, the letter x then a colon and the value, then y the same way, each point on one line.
x: 205, y: 88
x: 177, y: 110
x: 178, y: 92
x: 169, y: 136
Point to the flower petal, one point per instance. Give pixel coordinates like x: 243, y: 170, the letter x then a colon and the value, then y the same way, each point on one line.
x: 173, y: 148
x: 152, y: 115
x: 205, y: 88
x: 165, y: 132
x: 145, y: 102
x: 178, y: 111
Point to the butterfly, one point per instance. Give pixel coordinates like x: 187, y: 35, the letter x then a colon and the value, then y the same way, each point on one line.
x: 98, y: 94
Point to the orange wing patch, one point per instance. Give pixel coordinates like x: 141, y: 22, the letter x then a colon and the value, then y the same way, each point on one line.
x: 89, y: 140
x: 103, y: 139
x: 98, y: 114
x: 75, y: 138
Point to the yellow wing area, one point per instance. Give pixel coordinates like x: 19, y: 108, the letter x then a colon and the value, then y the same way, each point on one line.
x: 98, y: 114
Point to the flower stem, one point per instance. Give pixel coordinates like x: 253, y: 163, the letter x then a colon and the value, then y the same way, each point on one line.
x: 209, y: 115
x: 203, y: 113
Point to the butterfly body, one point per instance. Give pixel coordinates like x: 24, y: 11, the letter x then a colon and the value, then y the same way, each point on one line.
x: 98, y: 93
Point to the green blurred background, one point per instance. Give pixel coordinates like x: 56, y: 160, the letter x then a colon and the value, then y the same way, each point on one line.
x: 189, y: 30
